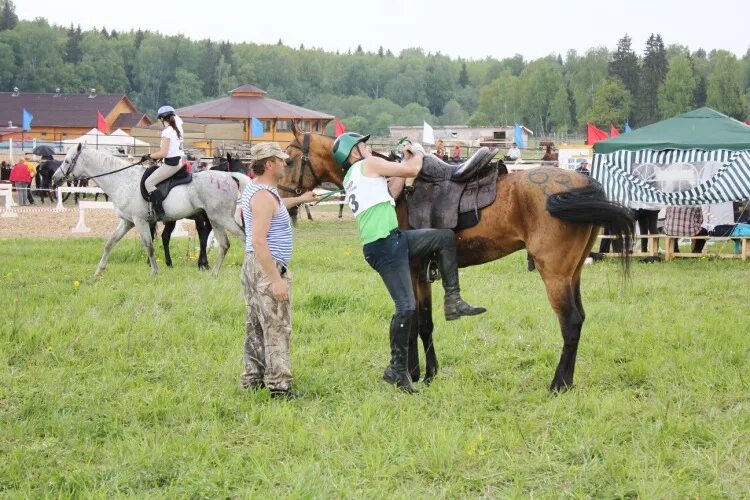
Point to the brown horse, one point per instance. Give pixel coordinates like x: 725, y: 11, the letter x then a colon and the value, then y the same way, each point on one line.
x: 554, y: 213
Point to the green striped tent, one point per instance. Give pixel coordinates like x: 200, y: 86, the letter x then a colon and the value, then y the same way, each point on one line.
x: 702, y: 135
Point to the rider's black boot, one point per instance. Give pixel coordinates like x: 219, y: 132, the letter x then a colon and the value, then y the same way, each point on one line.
x: 156, y: 201
x: 455, y: 307
x: 397, y: 372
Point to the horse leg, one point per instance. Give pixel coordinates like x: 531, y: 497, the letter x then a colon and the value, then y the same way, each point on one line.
x: 123, y: 227
x: 143, y: 229
x: 223, y: 240
x: 166, y: 236
x: 203, y: 227
x: 426, y: 327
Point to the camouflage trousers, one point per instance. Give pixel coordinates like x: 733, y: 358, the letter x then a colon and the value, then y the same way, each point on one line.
x: 268, y: 328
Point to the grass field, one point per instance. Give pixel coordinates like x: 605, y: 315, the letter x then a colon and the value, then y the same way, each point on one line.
x: 130, y: 385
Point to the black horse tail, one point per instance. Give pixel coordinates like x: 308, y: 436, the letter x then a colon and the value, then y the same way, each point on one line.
x: 589, y: 205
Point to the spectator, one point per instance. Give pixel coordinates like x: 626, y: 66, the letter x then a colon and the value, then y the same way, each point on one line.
x: 440, y: 150
x: 456, y: 153
x: 4, y: 171
x: 32, y: 170
x: 266, y: 279
x: 514, y: 153
x: 685, y: 221
x: 583, y: 168
x: 647, y: 224
x: 21, y: 179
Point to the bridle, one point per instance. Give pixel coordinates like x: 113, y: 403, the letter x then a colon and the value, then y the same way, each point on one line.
x: 72, y: 165
x: 306, y: 165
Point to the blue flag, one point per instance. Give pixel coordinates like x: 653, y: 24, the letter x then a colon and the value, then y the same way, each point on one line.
x: 518, y: 136
x: 26, y: 120
x: 627, y: 128
x: 257, y: 127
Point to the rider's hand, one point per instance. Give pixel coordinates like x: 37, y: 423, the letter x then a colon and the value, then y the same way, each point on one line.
x: 145, y: 158
x: 307, y: 197
x: 279, y: 290
x: 416, y: 148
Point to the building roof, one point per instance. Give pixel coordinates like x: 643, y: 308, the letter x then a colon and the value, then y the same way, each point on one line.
x: 129, y: 120
x: 247, y: 102
x: 703, y: 128
x: 57, y: 110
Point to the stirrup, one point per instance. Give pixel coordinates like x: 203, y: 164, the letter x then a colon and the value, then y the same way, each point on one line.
x: 430, y: 272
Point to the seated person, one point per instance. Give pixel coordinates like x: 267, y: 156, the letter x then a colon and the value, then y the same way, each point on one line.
x: 514, y: 153
x: 685, y: 221
x: 583, y: 168
x: 440, y: 150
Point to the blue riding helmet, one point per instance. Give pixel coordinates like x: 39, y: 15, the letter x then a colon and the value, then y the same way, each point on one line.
x: 165, y: 111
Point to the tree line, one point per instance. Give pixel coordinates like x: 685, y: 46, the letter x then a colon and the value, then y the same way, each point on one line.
x: 371, y: 91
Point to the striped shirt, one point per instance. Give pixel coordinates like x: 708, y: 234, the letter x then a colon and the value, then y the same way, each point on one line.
x: 279, y: 233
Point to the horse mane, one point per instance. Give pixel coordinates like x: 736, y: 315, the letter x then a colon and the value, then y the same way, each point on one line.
x: 105, y: 159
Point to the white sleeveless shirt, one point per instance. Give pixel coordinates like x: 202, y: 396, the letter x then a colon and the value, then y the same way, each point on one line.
x: 364, y: 192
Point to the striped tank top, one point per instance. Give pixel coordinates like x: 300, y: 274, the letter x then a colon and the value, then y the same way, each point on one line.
x: 279, y: 233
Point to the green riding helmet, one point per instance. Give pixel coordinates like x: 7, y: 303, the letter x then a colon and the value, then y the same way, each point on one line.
x: 344, y: 144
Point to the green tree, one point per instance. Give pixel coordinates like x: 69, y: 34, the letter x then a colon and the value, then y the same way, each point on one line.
x: 8, y: 17
x: 678, y: 91
x: 653, y: 73
x: 560, y: 112
x: 612, y: 104
x: 500, y: 102
x: 440, y: 83
x: 624, y: 65
x: 725, y: 91
x: 540, y: 81
x: 73, y: 52
x: 184, y: 89
x: 463, y: 77
x: 587, y: 74
x: 7, y: 66
x: 453, y: 114
x: 479, y: 119
x: 102, y: 66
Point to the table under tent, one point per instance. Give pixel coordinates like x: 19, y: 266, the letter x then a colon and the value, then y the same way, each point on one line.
x: 697, y: 158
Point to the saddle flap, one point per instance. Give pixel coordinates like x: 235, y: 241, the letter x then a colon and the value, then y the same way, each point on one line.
x: 181, y: 177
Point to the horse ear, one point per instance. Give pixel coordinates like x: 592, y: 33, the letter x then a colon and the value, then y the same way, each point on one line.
x: 229, y: 157
x: 80, y: 146
x: 297, y: 131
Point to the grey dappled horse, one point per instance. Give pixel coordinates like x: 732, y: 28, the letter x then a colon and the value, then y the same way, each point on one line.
x: 214, y: 192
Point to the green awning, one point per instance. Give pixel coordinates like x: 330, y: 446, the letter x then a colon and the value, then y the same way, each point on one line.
x: 703, y: 128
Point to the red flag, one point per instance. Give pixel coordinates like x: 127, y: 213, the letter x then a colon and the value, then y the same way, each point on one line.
x: 613, y: 132
x: 594, y: 134
x: 340, y: 129
x: 101, y: 123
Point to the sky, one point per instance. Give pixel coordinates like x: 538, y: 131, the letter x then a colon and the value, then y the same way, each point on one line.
x: 472, y: 29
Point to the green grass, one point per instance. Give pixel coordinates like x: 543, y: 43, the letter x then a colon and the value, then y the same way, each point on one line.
x: 130, y: 385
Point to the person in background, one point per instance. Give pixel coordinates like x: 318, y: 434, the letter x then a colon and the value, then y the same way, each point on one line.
x: 4, y: 171
x: 685, y: 221
x: 387, y: 249
x: 549, y: 155
x: 266, y: 278
x: 514, y: 153
x: 32, y: 170
x: 456, y: 153
x: 21, y: 179
x: 440, y: 150
x: 583, y: 168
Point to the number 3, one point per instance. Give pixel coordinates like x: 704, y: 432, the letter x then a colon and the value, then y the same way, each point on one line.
x: 353, y: 203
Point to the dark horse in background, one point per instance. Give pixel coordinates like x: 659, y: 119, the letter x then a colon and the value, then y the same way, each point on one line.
x: 554, y: 213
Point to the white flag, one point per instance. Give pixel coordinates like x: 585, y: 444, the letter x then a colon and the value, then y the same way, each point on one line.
x: 428, y: 136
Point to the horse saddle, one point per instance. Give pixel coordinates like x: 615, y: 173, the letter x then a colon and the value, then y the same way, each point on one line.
x: 181, y: 177
x: 448, y: 197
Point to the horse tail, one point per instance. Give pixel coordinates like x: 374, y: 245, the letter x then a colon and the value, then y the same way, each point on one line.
x: 589, y: 205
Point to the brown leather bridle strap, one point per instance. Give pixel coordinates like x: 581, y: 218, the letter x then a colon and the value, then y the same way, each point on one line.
x: 306, y: 165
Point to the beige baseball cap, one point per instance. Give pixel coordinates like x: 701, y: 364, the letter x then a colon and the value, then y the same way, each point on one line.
x: 267, y: 150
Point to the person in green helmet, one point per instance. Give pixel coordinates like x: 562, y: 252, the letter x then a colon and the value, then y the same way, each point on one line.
x: 387, y: 249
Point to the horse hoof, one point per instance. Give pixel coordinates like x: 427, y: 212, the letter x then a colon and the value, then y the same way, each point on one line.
x: 415, y: 374
x: 559, y: 387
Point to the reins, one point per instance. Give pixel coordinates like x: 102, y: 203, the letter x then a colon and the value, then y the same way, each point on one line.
x: 75, y: 160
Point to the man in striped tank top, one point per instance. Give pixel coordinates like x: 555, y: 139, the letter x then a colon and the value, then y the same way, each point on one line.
x: 266, y: 279
x: 387, y: 249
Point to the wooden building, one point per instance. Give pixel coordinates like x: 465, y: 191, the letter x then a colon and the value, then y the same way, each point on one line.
x: 247, y: 102
x: 59, y: 116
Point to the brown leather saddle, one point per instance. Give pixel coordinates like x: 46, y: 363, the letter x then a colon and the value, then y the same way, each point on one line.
x: 448, y: 197
x: 181, y: 177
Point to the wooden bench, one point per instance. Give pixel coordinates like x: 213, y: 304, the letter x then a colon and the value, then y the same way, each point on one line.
x: 743, y: 252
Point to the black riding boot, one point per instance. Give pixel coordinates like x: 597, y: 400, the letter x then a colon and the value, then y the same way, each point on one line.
x: 455, y: 307
x: 156, y: 200
x: 397, y: 372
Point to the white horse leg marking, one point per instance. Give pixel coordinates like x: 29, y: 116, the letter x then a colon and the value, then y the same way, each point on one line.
x: 145, y: 231
x: 122, y: 228
x: 221, y: 238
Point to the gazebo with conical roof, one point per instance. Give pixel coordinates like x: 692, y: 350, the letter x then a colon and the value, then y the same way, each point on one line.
x: 247, y: 102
